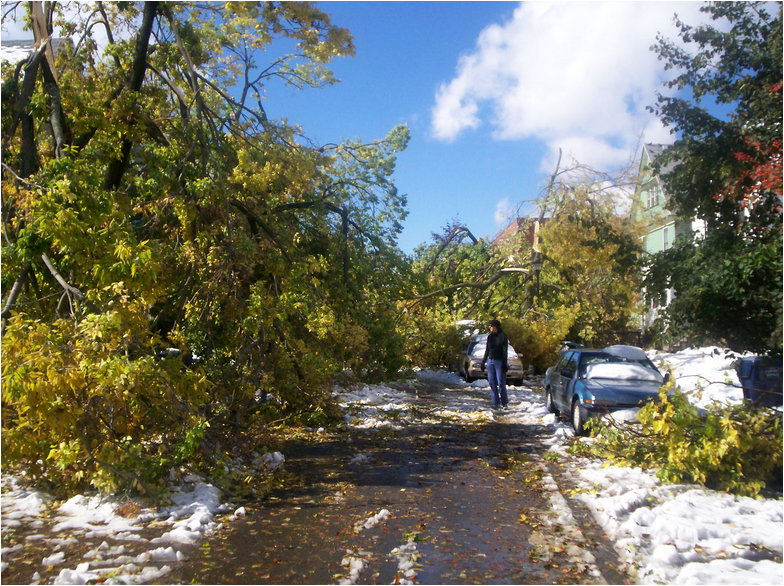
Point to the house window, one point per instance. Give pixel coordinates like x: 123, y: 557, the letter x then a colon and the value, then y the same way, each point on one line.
x: 654, y: 195
x: 666, y: 238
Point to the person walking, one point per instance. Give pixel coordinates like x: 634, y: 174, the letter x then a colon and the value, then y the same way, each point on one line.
x: 495, y: 360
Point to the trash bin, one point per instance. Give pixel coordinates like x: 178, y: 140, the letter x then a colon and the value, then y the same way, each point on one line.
x: 761, y: 377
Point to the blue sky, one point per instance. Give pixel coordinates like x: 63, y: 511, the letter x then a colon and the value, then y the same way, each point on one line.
x: 490, y: 91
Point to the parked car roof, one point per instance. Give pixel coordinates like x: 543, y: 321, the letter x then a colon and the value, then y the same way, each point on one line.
x: 627, y: 352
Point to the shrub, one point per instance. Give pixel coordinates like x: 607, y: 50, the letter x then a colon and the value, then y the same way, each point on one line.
x: 433, y: 342
x: 537, y: 340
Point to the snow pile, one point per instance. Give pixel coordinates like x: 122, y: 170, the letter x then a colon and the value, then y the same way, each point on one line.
x: 379, y: 517
x: 704, y: 375
x: 191, y: 517
x: 355, y: 562
x: 94, y: 517
x: 128, y: 573
x: 272, y: 461
x: 674, y: 533
x: 19, y: 503
x: 374, y: 407
x: 360, y: 459
x: 622, y: 371
x: 370, y: 395
x: 407, y: 556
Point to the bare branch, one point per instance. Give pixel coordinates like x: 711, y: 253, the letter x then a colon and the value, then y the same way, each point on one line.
x: 543, y: 209
x: 68, y: 287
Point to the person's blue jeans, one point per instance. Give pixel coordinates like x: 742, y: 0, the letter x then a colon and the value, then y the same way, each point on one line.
x: 497, y: 379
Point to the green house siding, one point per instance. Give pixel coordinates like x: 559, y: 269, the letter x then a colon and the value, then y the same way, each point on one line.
x: 656, y: 238
x: 651, y: 206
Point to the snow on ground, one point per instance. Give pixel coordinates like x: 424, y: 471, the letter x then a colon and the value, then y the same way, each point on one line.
x: 671, y: 534
x: 193, y: 515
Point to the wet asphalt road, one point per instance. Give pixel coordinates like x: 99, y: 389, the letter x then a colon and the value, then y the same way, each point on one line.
x: 471, y: 497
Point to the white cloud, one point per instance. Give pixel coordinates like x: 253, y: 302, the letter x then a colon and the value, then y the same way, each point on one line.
x: 576, y: 76
x: 503, y: 212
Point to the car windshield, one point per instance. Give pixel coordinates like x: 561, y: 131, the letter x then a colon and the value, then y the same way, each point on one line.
x: 620, y: 370
x: 592, y: 358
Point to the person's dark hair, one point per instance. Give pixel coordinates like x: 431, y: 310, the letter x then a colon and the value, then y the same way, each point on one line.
x: 494, y: 322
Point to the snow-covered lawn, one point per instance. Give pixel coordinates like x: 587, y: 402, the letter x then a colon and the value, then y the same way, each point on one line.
x: 664, y: 533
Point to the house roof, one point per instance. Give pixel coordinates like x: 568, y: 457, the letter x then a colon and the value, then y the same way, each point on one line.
x: 519, y: 225
x: 15, y: 51
x: 654, y: 150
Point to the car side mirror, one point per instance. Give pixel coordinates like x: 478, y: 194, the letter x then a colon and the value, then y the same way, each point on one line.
x: 567, y: 373
x: 666, y: 378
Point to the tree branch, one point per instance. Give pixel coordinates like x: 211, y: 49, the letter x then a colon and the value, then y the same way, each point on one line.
x: 16, y: 289
x: 483, y: 286
x: 550, y: 184
x: 68, y: 287
x: 255, y: 220
x: 457, y: 230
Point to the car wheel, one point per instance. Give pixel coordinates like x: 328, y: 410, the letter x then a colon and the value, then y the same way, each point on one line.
x: 579, y: 415
x: 549, y: 402
x: 468, y: 377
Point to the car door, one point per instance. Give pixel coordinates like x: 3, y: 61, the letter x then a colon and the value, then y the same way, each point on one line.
x: 564, y: 374
x: 465, y: 354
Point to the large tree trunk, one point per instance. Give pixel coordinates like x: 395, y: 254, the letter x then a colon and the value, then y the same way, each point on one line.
x: 116, y: 169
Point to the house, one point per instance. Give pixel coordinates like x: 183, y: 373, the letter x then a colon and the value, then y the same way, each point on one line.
x: 19, y: 50
x: 662, y: 227
x: 526, y: 226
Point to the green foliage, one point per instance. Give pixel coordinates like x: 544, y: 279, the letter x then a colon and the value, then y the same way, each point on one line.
x: 174, y: 213
x: 726, y: 172
x: 735, y: 449
x: 75, y: 398
x: 729, y: 290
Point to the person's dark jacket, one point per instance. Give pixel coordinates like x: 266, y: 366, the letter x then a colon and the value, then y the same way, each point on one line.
x: 497, y: 348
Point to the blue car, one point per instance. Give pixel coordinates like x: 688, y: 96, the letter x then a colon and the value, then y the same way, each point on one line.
x: 588, y: 383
